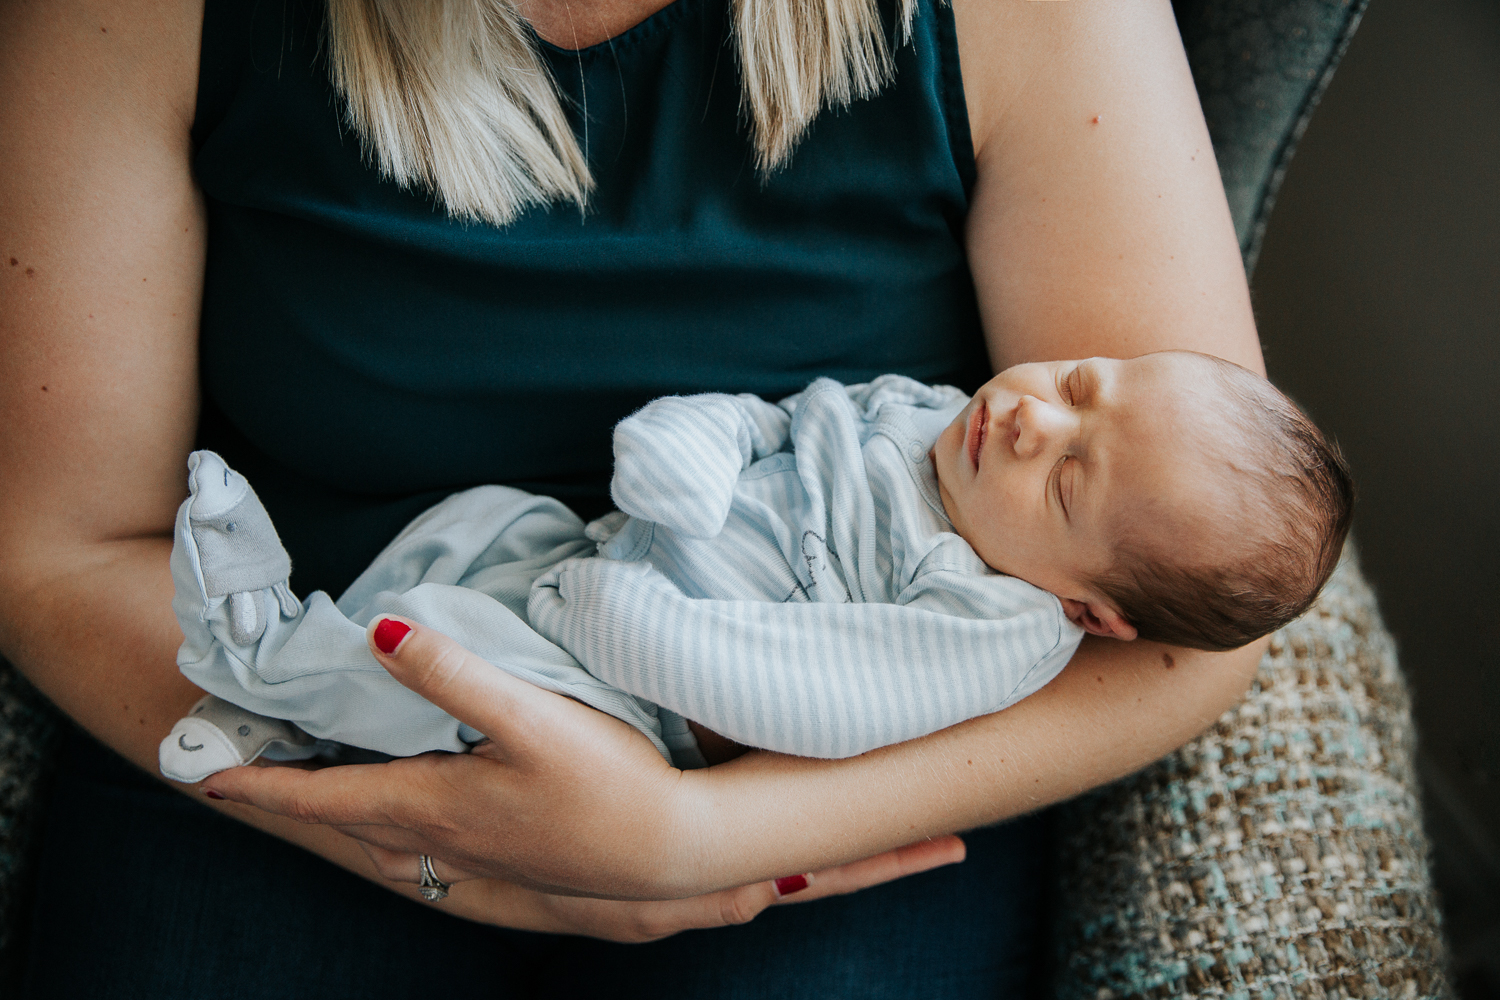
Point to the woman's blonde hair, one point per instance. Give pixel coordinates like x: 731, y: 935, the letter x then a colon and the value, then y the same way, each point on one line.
x: 452, y: 95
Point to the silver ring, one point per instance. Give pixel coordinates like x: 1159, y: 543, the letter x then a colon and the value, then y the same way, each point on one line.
x: 433, y: 888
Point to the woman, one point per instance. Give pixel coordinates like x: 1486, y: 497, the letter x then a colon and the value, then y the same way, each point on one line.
x: 144, y: 193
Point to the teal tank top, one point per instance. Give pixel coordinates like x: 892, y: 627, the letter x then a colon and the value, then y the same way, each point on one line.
x: 363, y: 355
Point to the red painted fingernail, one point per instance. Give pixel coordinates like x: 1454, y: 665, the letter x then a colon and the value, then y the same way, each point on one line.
x: 212, y: 794
x: 789, y: 884
x: 389, y: 633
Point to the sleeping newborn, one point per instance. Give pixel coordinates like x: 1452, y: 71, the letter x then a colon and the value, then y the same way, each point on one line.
x: 848, y: 568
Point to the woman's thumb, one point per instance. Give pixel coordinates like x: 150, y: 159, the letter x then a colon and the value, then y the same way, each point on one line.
x: 387, y: 634
x: 431, y: 664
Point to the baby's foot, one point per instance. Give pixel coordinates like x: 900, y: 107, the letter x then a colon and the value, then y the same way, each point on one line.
x: 217, y: 735
x: 239, y: 554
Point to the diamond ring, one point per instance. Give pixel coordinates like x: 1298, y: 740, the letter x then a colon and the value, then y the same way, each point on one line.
x: 433, y: 888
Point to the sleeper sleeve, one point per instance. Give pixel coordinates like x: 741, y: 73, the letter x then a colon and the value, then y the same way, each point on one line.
x: 811, y: 679
x: 677, y: 459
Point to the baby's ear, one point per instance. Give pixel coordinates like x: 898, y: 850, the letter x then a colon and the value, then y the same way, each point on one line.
x: 1098, y: 618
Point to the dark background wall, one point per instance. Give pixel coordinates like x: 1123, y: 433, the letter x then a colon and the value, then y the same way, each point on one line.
x: 1378, y: 296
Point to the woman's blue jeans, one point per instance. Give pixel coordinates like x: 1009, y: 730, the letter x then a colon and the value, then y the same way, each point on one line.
x: 144, y: 893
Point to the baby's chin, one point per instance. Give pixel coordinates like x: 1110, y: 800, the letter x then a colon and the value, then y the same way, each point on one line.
x: 949, y: 507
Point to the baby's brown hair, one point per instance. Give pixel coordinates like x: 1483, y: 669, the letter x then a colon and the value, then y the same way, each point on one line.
x: 1297, y: 502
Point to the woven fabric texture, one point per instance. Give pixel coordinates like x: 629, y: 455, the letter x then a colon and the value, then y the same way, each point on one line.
x: 1280, y: 854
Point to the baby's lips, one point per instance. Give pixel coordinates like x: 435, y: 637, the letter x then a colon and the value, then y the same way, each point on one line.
x: 979, y: 428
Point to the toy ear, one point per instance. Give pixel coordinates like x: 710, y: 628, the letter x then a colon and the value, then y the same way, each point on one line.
x: 1098, y: 618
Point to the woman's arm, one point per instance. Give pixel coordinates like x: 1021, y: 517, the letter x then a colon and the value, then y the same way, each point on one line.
x: 100, y: 277
x: 100, y: 284
x: 1099, y: 224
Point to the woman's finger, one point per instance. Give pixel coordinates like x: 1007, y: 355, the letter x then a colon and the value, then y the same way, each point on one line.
x: 390, y: 838
x: 737, y: 906
x: 405, y: 867
x: 651, y: 921
x: 468, y: 688
x: 922, y: 856
x: 638, y: 921
x: 350, y: 795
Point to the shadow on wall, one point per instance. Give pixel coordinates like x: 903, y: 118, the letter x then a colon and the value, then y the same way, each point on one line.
x: 1378, y: 295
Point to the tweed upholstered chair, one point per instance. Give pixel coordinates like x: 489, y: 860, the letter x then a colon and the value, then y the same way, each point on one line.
x: 1281, y: 854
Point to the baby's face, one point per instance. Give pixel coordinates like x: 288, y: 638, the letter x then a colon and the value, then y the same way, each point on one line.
x: 1048, y: 461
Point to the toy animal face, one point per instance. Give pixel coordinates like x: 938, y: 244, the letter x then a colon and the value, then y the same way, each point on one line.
x: 237, y: 544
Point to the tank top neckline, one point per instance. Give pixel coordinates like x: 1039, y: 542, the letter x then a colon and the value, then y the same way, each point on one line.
x: 658, y: 21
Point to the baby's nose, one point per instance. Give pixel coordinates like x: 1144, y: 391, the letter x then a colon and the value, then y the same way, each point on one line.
x: 1038, y: 426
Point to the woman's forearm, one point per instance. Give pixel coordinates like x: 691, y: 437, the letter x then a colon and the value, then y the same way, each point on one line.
x: 92, y: 627
x: 1115, y: 708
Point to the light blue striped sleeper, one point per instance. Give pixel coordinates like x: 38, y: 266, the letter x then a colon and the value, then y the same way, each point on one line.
x: 783, y: 574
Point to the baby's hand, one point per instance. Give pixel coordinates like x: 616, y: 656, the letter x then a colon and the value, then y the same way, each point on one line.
x: 677, y: 460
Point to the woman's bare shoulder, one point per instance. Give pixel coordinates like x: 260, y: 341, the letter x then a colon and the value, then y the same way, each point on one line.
x: 1098, y: 223
x: 1029, y: 59
x: 101, y: 265
x: 135, y: 58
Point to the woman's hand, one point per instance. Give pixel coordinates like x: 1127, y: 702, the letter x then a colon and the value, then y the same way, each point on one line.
x: 633, y: 921
x: 560, y: 799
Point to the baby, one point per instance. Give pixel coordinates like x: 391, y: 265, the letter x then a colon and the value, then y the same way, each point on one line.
x: 849, y: 568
